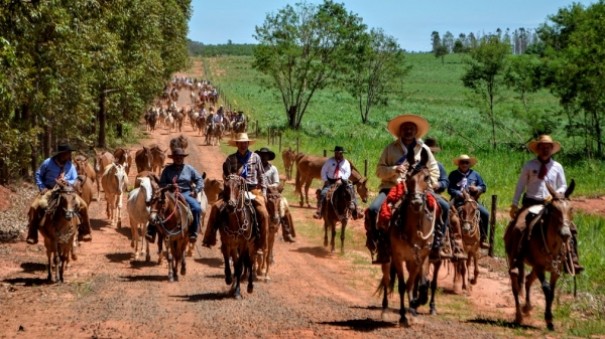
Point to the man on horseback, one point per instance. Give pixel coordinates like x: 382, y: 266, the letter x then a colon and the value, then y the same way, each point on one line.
x: 249, y: 166
x: 60, y: 168
x: 535, y: 174
x: 336, y: 170
x: 440, y: 186
x: 396, y: 159
x: 464, y: 178
x: 189, y: 183
x: 272, y: 176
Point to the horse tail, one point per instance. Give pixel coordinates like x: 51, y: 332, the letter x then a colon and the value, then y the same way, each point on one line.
x: 391, y: 286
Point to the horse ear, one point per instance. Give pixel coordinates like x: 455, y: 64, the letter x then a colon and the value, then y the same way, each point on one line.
x: 551, y: 190
x: 204, y: 175
x: 570, y: 189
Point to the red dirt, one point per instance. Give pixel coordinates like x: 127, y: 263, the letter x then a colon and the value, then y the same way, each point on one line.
x: 312, y: 293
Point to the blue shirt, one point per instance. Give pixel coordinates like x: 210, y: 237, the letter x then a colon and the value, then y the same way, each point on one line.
x: 185, y: 176
x: 49, y: 171
x: 459, y: 181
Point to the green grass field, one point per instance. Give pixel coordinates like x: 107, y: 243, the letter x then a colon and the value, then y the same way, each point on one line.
x: 434, y: 90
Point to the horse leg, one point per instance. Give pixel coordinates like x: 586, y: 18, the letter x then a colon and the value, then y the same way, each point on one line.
x: 516, y: 281
x: 119, y: 206
x: 228, y: 276
x: 249, y: 263
x: 333, y: 229
x: 325, y: 233
x: 549, y: 295
x: 170, y: 258
x: 238, y: 268
x: 531, y: 277
x: 160, y: 247
x: 403, y: 320
x: 49, y: 255
x: 182, y: 258
x: 436, y: 267
x: 342, y: 236
x: 145, y: 243
x: 476, y: 275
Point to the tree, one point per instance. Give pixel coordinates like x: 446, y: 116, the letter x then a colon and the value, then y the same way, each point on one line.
x: 573, y: 52
x: 483, y: 75
x: 305, y: 49
x: 376, y: 72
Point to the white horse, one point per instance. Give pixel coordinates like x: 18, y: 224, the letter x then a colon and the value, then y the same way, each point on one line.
x: 138, y: 213
x: 114, y: 182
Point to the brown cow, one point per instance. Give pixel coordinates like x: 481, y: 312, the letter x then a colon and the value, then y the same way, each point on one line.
x: 143, y: 159
x: 289, y: 158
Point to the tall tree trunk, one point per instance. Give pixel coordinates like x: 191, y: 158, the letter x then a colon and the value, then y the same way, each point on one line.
x: 292, y: 117
x: 101, y: 118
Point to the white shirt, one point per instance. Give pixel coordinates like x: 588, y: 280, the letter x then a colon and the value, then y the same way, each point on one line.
x: 271, y: 175
x: 535, y: 188
x: 329, y: 167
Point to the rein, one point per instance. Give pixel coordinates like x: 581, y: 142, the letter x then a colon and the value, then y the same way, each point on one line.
x: 474, y: 220
x: 176, y: 231
x: 240, y: 205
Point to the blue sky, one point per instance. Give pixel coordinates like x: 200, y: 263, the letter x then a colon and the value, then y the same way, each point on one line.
x: 410, y: 22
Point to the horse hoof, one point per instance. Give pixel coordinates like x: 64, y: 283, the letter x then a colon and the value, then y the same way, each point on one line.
x: 404, y: 322
x: 238, y: 297
x: 228, y: 281
x: 250, y: 288
x: 474, y: 282
x: 148, y: 258
x: 527, y: 309
x: 550, y: 327
x: 433, y: 311
x: 183, y: 271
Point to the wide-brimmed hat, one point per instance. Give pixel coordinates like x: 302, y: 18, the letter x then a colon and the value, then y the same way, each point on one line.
x: 63, y: 147
x: 241, y: 137
x: 463, y: 157
x: 265, y: 150
x: 178, y: 152
x: 422, y: 125
x: 339, y: 149
x: 432, y: 144
x: 544, y: 139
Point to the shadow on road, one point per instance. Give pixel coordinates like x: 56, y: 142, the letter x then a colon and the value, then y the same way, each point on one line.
x: 362, y: 325
x: 500, y: 323
x: 30, y: 267
x: 119, y: 257
x: 212, y: 262
x: 203, y: 296
x: 28, y: 282
x: 133, y: 278
x: 317, y: 251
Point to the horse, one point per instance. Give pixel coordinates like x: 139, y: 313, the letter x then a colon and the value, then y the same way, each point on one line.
x: 59, y: 228
x: 465, y: 219
x: 114, y: 182
x: 142, y: 159
x: 214, y: 131
x: 544, y: 245
x: 102, y: 160
x: 238, y: 232
x: 411, y: 235
x: 289, y: 158
x: 213, y: 189
x: 138, y: 209
x: 336, y: 209
x: 273, y: 209
x: 122, y: 156
x: 158, y: 156
x: 309, y: 167
x: 171, y: 216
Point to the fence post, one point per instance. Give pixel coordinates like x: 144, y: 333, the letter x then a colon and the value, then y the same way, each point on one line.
x: 365, y: 168
x: 325, y: 153
x: 492, y: 224
x: 279, y: 143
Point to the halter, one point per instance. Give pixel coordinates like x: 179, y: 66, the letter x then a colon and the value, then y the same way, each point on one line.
x: 161, y: 222
x: 474, y: 221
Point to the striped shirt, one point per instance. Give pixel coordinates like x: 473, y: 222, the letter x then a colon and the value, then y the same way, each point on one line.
x: 255, y: 176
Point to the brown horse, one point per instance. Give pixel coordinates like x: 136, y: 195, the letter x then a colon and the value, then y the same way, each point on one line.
x: 238, y: 231
x: 273, y: 206
x: 544, y: 245
x: 59, y: 228
x: 336, y: 209
x: 102, y: 160
x: 308, y: 167
x: 171, y: 216
x: 142, y: 159
x: 465, y: 219
x: 289, y: 158
x: 122, y: 156
x: 411, y: 234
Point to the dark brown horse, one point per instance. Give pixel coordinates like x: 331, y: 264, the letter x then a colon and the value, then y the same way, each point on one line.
x: 543, y: 245
x: 335, y: 210
x: 59, y: 228
x: 465, y: 219
x: 171, y: 216
x: 264, y: 260
x: 238, y: 233
x: 411, y: 234
x: 308, y: 167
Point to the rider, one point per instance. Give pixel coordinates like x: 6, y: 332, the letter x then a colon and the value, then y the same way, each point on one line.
x: 272, y: 176
x: 248, y: 165
x: 535, y: 174
x: 403, y: 153
x: 335, y: 170
x: 464, y: 178
x: 60, y: 168
x: 184, y: 176
x: 440, y: 187
x: 240, y: 119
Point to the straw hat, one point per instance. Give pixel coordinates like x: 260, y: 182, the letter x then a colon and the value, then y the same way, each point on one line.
x: 544, y: 139
x: 177, y: 152
x: 265, y: 150
x: 472, y: 160
x: 421, y: 124
x: 241, y: 137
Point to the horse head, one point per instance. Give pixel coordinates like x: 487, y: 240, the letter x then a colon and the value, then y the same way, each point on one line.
x: 273, y: 201
x: 469, y: 214
x: 66, y: 202
x: 417, y: 183
x: 235, y: 189
x: 559, y: 210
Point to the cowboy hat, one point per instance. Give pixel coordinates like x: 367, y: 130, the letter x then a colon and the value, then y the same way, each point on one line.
x: 432, y: 144
x: 463, y: 157
x: 544, y: 139
x: 241, y: 137
x: 339, y: 149
x: 265, y: 150
x: 422, y: 125
x: 177, y: 152
x: 63, y: 147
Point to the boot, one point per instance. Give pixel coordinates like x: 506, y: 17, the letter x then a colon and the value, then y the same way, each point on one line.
x: 574, y: 255
x: 383, y: 250
x: 209, y: 236
x: 483, y: 242
x: 458, y: 249
x: 354, y: 212
x: 437, y: 252
x: 84, y: 232
x: 32, y: 227
x: 285, y: 229
x: 192, y: 233
x: 317, y: 214
x: 151, y: 231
